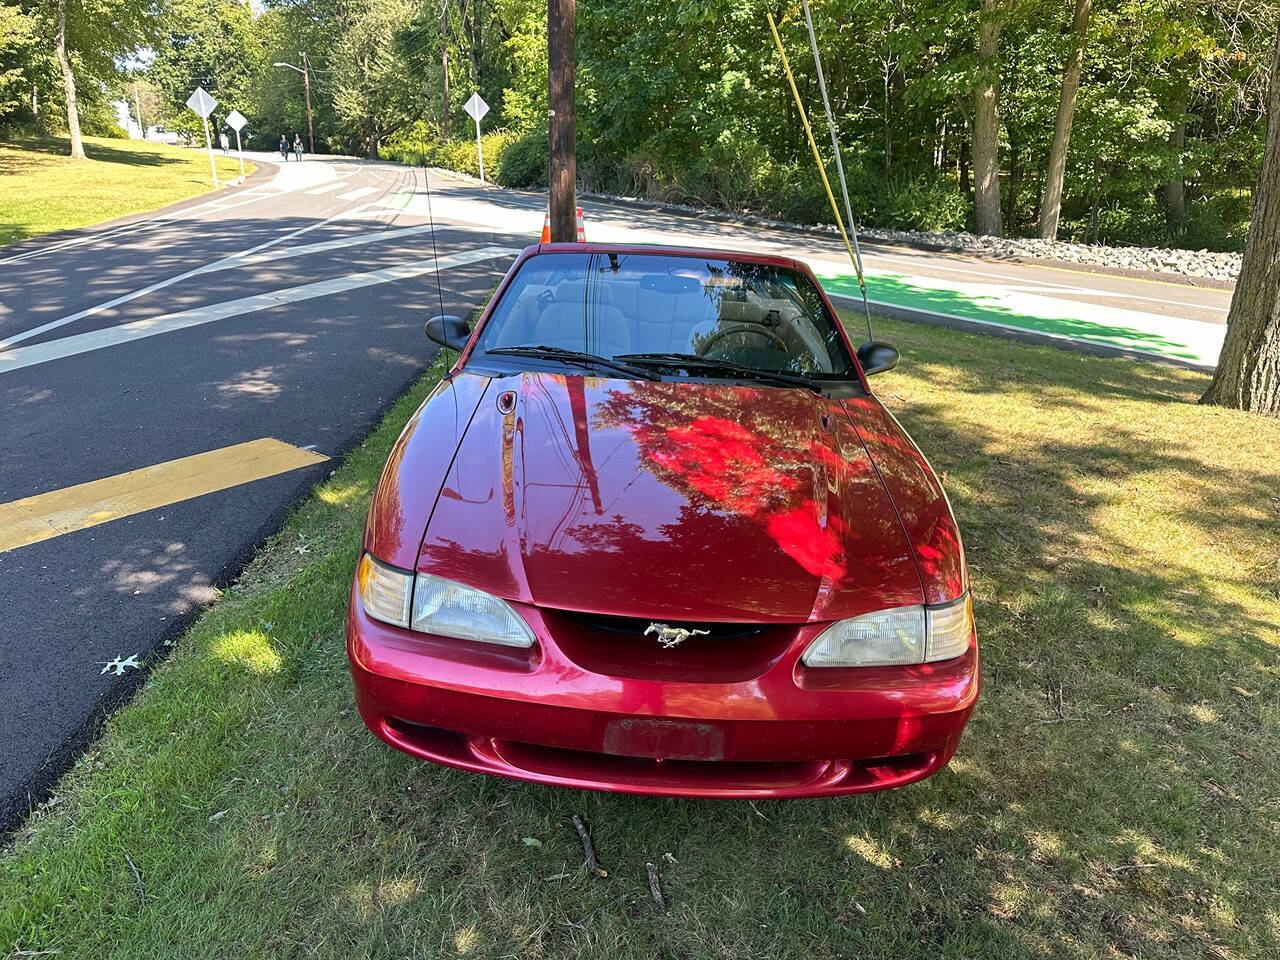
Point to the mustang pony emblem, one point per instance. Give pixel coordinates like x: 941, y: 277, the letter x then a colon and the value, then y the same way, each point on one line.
x: 670, y: 636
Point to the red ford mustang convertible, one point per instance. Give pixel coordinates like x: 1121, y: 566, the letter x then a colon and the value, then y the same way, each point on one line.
x: 653, y: 533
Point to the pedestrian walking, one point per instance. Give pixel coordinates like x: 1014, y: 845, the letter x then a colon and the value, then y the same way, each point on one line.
x: 297, y: 146
x: 284, y: 147
x: 225, y: 143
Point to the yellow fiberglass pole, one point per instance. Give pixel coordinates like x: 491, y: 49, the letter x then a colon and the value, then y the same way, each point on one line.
x: 808, y: 132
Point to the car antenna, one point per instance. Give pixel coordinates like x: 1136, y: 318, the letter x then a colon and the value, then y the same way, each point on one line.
x: 431, y: 221
x: 855, y: 251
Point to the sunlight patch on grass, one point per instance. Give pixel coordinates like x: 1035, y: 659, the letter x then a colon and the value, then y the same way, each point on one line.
x: 338, y: 495
x: 870, y: 851
x: 367, y: 902
x: 467, y: 940
x: 248, y: 648
x: 1203, y: 713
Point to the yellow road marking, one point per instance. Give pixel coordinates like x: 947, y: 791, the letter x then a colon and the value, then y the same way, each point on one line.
x: 48, y: 515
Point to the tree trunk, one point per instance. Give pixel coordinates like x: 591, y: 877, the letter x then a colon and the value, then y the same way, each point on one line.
x: 1051, y: 199
x: 444, y: 67
x: 68, y: 82
x: 986, y: 123
x: 1175, y: 191
x: 966, y: 184
x: 1248, y: 374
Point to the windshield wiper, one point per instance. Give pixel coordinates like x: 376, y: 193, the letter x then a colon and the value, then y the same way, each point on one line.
x: 692, y: 362
x: 543, y: 352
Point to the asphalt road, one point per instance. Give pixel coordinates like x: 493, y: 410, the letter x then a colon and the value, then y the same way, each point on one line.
x: 290, y: 308
x: 1143, y: 315
x: 79, y: 401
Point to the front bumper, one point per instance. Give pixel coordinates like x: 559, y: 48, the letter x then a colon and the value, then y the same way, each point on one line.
x: 540, y: 716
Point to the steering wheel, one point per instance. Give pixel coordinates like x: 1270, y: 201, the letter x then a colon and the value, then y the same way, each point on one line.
x: 763, y: 332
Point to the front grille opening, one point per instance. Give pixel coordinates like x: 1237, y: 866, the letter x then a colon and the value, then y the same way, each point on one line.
x: 619, y: 646
x: 635, y: 626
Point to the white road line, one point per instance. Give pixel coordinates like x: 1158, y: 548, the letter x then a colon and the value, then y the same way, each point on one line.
x: 152, y: 326
x: 359, y: 240
x: 326, y: 188
x: 159, y: 285
x: 357, y: 193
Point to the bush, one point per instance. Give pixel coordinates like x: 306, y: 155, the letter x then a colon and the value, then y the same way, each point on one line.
x: 524, y: 161
x: 1216, y: 221
x: 416, y: 148
x: 923, y: 204
x: 1219, y: 221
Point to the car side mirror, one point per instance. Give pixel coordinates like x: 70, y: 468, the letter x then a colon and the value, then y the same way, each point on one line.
x: 877, y: 357
x: 449, y: 331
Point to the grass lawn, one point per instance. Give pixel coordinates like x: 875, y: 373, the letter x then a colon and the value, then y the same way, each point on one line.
x: 1117, y: 793
x: 42, y: 189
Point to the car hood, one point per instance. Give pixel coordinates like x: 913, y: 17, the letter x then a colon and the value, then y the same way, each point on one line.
x: 701, y: 501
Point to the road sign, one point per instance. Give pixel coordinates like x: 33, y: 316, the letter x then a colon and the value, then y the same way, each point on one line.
x: 201, y: 102
x: 236, y: 121
x: 476, y: 107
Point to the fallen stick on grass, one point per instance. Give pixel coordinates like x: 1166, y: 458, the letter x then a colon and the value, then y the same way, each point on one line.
x: 593, y: 865
x: 655, y: 886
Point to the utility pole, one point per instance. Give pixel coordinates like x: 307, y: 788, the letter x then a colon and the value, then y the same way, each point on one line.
x: 306, y: 85
x: 560, y: 100
x: 142, y: 127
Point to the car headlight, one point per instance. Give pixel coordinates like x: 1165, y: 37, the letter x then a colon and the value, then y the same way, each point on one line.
x: 450, y: 609
x: 431, y: 604
x: 903, y: 635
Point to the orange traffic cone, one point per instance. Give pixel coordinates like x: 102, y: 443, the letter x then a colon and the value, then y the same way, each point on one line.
x: 546, y: 227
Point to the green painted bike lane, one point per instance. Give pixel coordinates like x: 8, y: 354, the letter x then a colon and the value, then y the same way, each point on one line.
x: 1191, y: 341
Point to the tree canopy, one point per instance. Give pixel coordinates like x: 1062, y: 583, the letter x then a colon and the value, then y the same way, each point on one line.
x: 939, y: 128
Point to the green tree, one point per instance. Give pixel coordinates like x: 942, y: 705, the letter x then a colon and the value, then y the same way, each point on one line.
x: 92, y: 37
x: 18, y: 49
x: 374, y: 95
x: 210, y: 43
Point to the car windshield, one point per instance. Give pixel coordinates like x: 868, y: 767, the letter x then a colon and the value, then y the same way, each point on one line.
x: 658, y: 308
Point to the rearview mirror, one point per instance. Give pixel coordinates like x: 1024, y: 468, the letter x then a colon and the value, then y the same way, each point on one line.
x: 449, y: 331
x: 877, y: 357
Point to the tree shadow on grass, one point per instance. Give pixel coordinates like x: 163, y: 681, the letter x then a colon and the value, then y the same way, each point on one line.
x: 1114, y: 795
x: 53, y: 147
